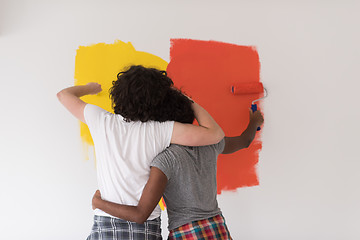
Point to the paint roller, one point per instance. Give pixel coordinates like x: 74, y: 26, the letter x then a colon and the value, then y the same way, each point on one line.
x: 249, y: 88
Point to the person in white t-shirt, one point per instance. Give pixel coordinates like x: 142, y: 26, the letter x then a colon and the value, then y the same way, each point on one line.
x: 146, y: 105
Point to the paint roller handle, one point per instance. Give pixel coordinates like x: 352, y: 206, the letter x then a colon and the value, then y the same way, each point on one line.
x: 254, y: 109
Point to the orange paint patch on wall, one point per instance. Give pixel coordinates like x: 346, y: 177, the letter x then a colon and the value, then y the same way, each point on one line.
x: 205, y: 70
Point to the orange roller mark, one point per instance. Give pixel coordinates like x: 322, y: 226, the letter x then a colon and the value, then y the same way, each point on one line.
x: 206, y: 70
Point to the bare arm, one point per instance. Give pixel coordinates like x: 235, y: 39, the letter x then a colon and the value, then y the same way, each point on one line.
x: 208, y: 132
x: 150, y: 197
x: 233, y: 144
x: 70, y: 98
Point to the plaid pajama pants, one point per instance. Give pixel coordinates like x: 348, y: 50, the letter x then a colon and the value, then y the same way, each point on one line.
x: 206, y: 229
x: 108, y: 228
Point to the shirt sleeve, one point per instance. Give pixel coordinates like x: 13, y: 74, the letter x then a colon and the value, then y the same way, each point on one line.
x: 93, y: 116
x: 219, y: 147
x: 163, y: 161
x: 163, y: 133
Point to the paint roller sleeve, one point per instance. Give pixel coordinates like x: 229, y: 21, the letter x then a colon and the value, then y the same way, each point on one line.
x: 247, y: 88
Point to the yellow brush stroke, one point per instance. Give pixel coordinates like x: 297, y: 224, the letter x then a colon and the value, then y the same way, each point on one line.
x: 162, y: 203
x: 101, y: 63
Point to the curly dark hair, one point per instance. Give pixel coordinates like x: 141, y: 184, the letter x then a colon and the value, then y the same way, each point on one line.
x: 144, y: 94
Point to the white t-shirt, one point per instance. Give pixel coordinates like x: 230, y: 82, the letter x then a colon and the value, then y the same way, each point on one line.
x: 124, y: 151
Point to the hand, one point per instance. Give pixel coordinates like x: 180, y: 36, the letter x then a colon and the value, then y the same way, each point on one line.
x: 95, y: 198
x: 256, y: 118
x: 94, y: 88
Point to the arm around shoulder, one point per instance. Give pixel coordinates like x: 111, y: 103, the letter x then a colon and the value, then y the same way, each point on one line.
x: 208, y: 132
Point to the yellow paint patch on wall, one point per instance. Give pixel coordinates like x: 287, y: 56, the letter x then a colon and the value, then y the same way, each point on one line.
x: 101, y: 63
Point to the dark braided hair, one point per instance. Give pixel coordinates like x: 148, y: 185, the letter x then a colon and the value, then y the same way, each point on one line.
x: 144, y: 94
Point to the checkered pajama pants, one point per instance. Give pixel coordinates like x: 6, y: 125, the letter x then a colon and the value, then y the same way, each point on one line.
x: 206, y: 229
x: 108, y: 228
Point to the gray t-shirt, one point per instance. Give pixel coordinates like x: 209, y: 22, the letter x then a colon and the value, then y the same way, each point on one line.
x: 191, y: 191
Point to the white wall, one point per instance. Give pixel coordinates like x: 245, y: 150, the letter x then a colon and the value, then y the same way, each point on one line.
x: 309, y: 165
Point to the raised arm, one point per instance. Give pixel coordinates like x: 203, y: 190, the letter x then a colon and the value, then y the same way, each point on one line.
x: 233, y: 144
x: 70, y: 98
x: 208, y: 132
x: 149, y: 199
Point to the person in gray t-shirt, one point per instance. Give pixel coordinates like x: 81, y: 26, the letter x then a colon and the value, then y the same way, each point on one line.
x: 186, y: 177
x: 191, y: 192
